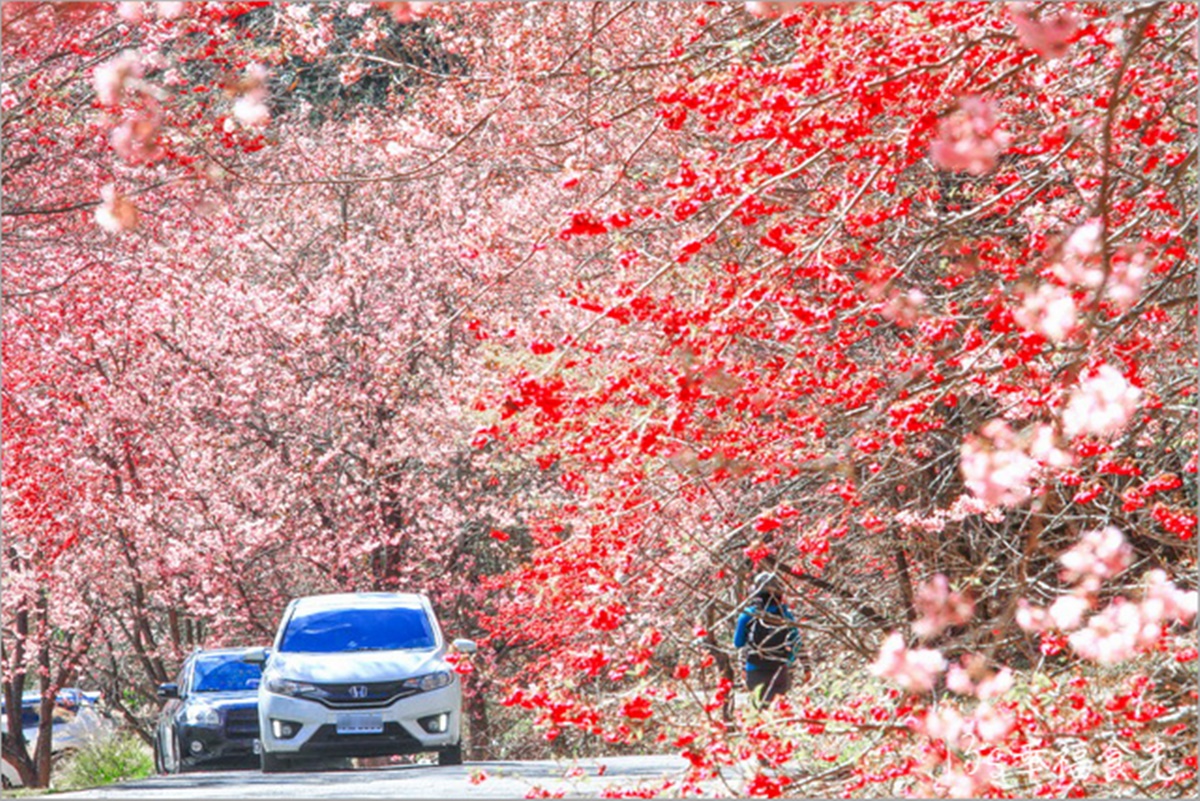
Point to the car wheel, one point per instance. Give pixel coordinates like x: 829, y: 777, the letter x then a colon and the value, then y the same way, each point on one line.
x: 451, y: 756
x: 273, y: 764
x: 176, y: 763
x: 159, y: 768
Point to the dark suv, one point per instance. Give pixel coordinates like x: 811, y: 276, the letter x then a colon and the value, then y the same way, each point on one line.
x: 211, y: 713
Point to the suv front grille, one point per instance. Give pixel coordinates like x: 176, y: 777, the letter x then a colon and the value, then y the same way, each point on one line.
x: 241, y: 724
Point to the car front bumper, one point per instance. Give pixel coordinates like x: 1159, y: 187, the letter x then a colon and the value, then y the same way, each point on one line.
x: 405, y: 723
x: 201, y: 745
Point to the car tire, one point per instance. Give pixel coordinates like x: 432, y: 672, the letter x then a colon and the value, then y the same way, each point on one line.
x: 159, y: 768
x: 451, y: 756
x: 273, y: 764
x: 176, y: 765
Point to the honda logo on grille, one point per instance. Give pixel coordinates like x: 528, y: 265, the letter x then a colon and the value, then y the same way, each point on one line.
x: 358, y: 691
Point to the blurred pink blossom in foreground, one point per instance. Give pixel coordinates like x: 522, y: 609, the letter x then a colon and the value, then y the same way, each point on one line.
x: 963, y: 781
x: 136, y: 139
x: 1098, y: 555
x: 904, y: 308
x: 1124, y: 627
x: 939, y: 607
x: 116, y: 213
x: 995, y: 467
x: 1116, y: 633
x: 771, y: 10
x: 404, y: 13
x: 914, y: 669
x: 1125, y: 281
x: 1101, y: 404
x: 251, y: 106
x: 969, y: 139
x: 1048, y: 36
x: 1050, y: 311
x: 111, y: 77
x: 971, y: 676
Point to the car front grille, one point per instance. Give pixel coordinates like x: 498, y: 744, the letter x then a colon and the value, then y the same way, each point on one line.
x: 367, y: 694
x: 241, y: 724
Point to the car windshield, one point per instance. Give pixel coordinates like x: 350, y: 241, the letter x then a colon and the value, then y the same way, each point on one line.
x: 366, y: 629
x: 225, y: 673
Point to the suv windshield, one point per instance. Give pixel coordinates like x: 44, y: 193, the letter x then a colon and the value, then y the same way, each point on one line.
x: 216, y: 674
x: 334, y: 630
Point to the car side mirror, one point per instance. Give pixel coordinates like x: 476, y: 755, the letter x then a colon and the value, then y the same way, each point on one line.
x: 256, y: 656
x: 168, y: 691
x: 465, y: 646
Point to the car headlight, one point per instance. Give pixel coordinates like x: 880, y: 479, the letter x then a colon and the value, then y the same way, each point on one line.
x: 430, y: 681
x: 201, y: 715
x: 298, y: 689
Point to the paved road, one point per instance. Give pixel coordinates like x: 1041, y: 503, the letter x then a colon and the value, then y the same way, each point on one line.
x: 583, y: 779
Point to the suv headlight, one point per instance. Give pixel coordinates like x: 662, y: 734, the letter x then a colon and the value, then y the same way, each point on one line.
x: 430, y: 681
x: 297, y: 689
x: 201, y: 715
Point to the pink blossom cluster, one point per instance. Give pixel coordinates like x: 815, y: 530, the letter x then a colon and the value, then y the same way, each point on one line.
x: 771, y: 10
x: 939, y: 607
x: 971, y: 676
x: 134, y: 13
x: 964, y: 506
x: 1079, y: 259
x: 116, y: 212
x: 994, y: 466
x: 1125, y: 280
x: 136, y: 139
x: 914, y: 669
x: 969, y: 139
x: 984, y: 724
x: 1049, y: 311
x: 904, y: 308
x: 1049, y: 36
x: 963, y: 781
x: 404, y: 13
x: 1079, y: 264
x: 998, y: 464
x: 1102, y: 404
x: 1099, y: 555
x: 250, y: 108
x: 111, y: 78
x: 1116, y: 633
x: 1124, y: 627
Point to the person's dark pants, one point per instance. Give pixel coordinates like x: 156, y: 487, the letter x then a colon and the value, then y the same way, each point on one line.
x: 767, y: 683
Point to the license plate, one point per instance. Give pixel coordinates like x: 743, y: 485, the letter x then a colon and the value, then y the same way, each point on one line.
x: 360, y: 723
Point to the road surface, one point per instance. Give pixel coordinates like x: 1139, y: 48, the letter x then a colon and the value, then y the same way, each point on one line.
x: 574, y: 779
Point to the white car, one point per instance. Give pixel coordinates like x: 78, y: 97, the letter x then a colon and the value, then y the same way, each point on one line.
x: 75, y: 724
x: 358, y: 675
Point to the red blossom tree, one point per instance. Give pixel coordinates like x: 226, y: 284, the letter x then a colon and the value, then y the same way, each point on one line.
x: 578, y: 315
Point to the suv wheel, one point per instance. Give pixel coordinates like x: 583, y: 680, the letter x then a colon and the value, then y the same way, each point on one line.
x: 451, y: 756
x: 176, y: 764
x: 273, y: 764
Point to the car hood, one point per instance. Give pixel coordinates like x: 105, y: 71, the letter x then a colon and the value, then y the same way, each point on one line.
x: 233, y: 699
x: 355, y: 667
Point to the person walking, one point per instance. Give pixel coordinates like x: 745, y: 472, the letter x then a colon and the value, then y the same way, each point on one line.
x: 767, y: 631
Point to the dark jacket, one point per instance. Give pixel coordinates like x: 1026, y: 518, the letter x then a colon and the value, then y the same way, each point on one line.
x: 770, y: 608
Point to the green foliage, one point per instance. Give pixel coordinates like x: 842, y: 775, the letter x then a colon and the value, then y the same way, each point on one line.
x: 118, y: 757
